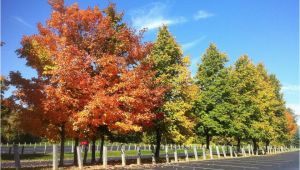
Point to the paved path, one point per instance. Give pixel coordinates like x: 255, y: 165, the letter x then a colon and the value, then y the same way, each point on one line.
x: 283, y: 161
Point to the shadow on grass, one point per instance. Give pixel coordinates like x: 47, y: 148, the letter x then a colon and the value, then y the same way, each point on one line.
x: 7, y: 157
x: 26, y: 168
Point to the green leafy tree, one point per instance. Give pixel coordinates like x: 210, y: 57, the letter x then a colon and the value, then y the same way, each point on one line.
x: 212, y: 104
x: 174, y: 119
x: 9, y: 119
x: 296, y: 139
x: 262, y: 123
x: 278, y: 121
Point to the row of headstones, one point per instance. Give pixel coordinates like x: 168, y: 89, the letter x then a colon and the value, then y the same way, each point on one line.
x: 23, y: 149
x: 118, y: 147
x: 129, y: 146
x: 270, y: 150
x: 142, y: 147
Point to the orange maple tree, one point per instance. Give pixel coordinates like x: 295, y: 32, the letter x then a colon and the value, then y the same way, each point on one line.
x: 91, y: 73
x: 291, y: 124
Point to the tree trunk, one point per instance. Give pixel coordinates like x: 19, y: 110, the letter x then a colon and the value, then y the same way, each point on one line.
x: 158, y: 140
x: 267, y: 144
x: 85, y: 153
x: 238, y: 144
x: 62, y: 145
x: 254, y: 145
x: 207, y: 140
x: 101, y: 148
x: 75, y: 151
x: 93, y: 150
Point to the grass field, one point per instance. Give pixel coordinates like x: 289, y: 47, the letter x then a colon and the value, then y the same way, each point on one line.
x: 30, y: 157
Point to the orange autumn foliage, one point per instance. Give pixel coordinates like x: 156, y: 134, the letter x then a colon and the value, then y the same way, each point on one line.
x: 91, y: 72
x: 291, y: 124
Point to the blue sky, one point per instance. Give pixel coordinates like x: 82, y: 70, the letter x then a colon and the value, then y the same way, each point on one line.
x: 268, y: 31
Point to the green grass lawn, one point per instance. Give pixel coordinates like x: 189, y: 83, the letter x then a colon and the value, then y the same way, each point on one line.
x: 30, y: 157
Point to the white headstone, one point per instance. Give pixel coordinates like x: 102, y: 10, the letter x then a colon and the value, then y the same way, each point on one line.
x: 203, y: 152
x: 210, y: 152
x: 218, y: 152
x: 195, y: 153
x: 104, y: 156
x: 34, y: 148
x: 249, y: 150
x: 153, y: 158
x: 45, y: 149
x: 235, y: 154
x: 167, y: 154
x: 224, y: 153
x: 129, y: 147
x: 186, y: 154
x: 55, y: 158
x: 79, y: 157
x: 243, y: 152
x: 123, y: 156
x: 139, y: 156
x: 175, y: 155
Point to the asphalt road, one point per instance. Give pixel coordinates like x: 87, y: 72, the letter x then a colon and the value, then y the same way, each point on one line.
x: 283, y: 161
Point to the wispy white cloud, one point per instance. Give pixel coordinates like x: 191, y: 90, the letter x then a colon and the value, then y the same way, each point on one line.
x: 201, y: 14
x: 153, y: 16
x: 296, y: 109
x: 291, y: 88
x: 22, y: 21
x: 193, y: 43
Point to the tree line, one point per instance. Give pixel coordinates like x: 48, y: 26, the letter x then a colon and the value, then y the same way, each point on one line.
x: 97, y: 79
